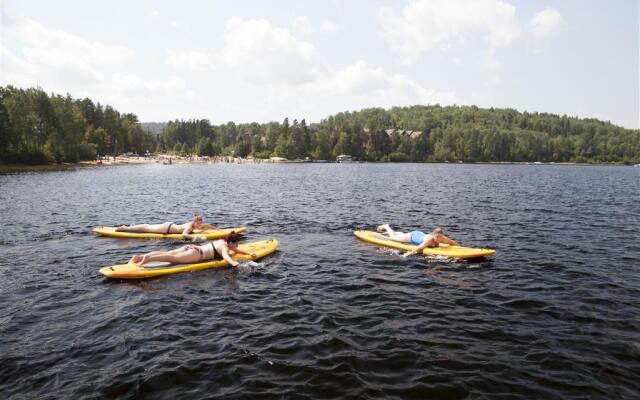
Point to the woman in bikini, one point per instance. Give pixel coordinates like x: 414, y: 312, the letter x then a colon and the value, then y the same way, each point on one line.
x: 195, y: 254
x: 419, y: 238
x: 168, y: 227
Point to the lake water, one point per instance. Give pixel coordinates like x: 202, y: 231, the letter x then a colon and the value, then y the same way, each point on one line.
x: 554, y: 314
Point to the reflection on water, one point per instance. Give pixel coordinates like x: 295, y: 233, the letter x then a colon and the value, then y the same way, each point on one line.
x: 553, y: 314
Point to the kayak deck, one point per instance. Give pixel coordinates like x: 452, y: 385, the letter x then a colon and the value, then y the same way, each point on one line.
x: 207, y: 233
x: 442, y: 250
x: 135, y: 271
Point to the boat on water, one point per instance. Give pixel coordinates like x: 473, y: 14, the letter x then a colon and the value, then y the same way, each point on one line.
x: 343, y: 158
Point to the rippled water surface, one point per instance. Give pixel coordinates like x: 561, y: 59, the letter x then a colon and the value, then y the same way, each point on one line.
x: 554, y: 314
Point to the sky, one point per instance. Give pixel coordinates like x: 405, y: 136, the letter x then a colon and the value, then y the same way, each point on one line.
x: 247, y: 61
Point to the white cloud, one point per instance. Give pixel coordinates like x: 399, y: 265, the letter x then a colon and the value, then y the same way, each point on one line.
x: 427, y: 24
x: 546, y: 22
x: 381, y: 88
x: 303, y: 25
x: 190, y: 60
x: 60, y: 62
x: 292, y: 77
x: 150, y: 99
x: 294, y: 80
x: 132, y: 84
x: 328, y: 27
x: 262, y: 53
x: 132, y: 93
x: 33, y: 50
x: 354, y: 87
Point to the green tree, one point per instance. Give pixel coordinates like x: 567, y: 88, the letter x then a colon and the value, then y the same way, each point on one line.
x: 342, y: 146
x: 177, y: 148
x: 204, y: 147
x: 322, y: 150
x: 7, y: 138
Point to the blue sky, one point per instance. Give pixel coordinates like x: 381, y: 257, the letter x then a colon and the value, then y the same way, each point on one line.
x: 261, y: 61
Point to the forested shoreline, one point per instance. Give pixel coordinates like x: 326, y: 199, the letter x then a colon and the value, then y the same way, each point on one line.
x: 38, y: 128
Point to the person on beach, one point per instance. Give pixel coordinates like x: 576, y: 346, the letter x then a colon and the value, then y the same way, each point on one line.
x: 419, y: 238
x: 197, y: 223
x: 192, y: 253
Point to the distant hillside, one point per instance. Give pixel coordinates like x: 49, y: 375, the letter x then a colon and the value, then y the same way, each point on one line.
x: 39, y: 128
x: 423, y: 133
x: 153, y: 127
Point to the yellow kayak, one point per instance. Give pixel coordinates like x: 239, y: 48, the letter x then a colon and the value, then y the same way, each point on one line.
x: 207, y: 233
x: 135, y: 271
x: 441, y: 250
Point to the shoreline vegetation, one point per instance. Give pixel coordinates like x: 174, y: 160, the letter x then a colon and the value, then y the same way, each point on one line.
x: 41, y: 129
x: 163, y: 159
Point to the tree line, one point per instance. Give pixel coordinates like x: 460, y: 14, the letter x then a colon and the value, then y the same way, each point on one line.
x: 40, y: 128
x: 419, y: 134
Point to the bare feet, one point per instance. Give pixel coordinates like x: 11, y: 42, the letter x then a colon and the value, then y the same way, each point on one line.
x: 382, y: 228
x: 135, y: 260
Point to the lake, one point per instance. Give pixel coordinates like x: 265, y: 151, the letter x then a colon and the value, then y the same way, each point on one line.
x: 554, y: 314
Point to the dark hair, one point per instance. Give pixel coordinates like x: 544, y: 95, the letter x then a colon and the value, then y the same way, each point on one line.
x: 232, y: 237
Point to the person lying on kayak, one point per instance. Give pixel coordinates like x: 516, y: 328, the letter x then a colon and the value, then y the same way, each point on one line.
x: 192, y: 253
x: 421, y: 239
x: 185, y: 229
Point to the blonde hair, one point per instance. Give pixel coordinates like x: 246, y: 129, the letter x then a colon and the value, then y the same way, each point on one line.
x: 437, y: 231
